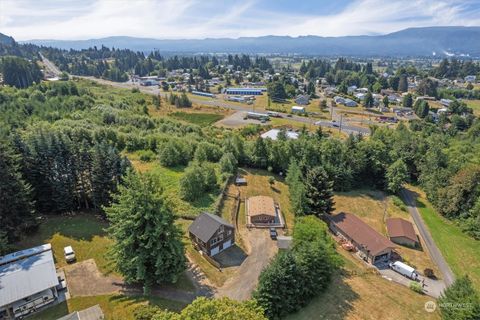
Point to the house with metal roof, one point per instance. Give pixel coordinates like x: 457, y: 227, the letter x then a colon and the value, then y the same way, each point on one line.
x: 28, y: 281
x: 211, y: 234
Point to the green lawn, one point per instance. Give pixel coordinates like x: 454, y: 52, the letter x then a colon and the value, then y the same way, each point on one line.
x: 201, y: 119
x: 170, y: 180
x: 85, y: 232
x: 475, y: 105
x: 113, y: 306
x: 461, y: 252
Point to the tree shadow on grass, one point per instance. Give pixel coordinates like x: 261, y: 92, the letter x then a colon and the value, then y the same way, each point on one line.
x: 334, y: 304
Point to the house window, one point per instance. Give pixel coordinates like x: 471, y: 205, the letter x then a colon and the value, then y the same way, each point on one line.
x: 221, y: 229
x: 220, y: 237
x: 229, y: 232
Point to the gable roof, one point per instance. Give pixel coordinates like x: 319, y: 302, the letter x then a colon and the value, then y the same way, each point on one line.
x: 261, y: 205
x: 26, y: 272
x: 92, y: 313
x: 205, y: 226
x: 361, y: 233
x: 398, y: 227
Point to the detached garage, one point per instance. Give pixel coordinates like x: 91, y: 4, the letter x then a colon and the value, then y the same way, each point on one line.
x: 401, y: 231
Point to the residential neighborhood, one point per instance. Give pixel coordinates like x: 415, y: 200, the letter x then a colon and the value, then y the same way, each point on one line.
x: 251, y: 160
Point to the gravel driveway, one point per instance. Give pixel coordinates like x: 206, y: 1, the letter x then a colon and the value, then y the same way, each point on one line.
x: 262, y: 250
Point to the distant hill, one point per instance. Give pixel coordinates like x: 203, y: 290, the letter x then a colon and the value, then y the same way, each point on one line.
x: 441, y: 41
x: 6, y: 40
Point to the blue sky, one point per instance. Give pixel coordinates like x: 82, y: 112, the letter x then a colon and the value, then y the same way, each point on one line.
x: 85, y: 19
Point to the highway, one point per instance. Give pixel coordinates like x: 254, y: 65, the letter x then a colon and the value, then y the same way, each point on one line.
x: 215, y: 102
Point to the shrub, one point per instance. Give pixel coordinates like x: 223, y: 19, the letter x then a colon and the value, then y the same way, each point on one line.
x: 428, y: 273
x: 415, y: 286
x: 399, y: 203
x: 146, y: 155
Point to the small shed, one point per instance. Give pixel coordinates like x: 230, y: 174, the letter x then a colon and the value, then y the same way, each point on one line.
x: 284, y: 242
x: 92, y: 313
x: 240, y: 181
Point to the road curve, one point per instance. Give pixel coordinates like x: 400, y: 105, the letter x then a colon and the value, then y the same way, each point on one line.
x: 437, y: 257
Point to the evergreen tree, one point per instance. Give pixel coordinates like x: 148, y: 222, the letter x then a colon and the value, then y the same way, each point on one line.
x: 407, y: 101
x: 16, y: 208
x: 368, y: 102
x: 403, y: 83
x: 460, y: 301
x: 318, y: 192
x: 296, y: 186
x: 148, y: 246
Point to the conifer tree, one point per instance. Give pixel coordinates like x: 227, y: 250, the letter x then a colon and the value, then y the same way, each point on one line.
x: 148, y: 246
x: 319, y: 192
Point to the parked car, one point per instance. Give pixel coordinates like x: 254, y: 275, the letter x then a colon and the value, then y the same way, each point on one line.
x: 273, y: 233
x: 69, y: 254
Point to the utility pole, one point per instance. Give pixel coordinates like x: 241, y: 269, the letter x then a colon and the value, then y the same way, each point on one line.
x: 340, y: 127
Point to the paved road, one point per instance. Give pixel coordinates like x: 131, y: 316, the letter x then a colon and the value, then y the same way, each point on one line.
x: 431, y: 287
x: 50, y: 67
x: 348, y: 129
x: 435, y: 253
x: 224, y: 104
x: 242, y: 284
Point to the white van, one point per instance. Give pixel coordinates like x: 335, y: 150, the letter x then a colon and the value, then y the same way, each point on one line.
x: 69, y: 254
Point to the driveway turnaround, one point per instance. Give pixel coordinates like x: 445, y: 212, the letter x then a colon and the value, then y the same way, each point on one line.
x: 435, y: 253
x: 242, y: 284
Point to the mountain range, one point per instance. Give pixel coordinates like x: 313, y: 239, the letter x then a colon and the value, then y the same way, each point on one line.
x: 427, y: 42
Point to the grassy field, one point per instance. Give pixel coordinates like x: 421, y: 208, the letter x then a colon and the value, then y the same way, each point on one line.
x: 461, y: 252
x: 85, y: 232
x: 257, y: 184
x: 358, y: 294
x: 475, y: 105
x: 201, y: 119
x: 374, y: 207
x: 170, y: 180
x: 113, y: 306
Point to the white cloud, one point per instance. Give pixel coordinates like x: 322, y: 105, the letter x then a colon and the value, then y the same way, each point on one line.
x: 70, y: 19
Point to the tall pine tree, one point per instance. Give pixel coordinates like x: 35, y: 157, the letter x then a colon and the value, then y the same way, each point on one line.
x: 319, y: 192
x: 148, y: 246
x: 16, y: 207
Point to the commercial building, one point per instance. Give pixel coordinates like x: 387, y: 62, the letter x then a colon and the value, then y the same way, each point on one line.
x: 28, y: 281
x: 245, y: 91
x: 203, y: 94
x: 371, y: 245
x: 298, y: 109
x: 211, y: 234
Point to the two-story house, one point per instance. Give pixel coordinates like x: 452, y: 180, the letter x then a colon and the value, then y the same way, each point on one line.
x: 211, y: 234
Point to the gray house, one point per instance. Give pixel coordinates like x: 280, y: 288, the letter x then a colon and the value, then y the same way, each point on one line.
x: 211, y: 234
x: 302, y: 100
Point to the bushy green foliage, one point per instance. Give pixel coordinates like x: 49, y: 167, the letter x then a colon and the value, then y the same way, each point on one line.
x: 198, y: 179
x: 318, y: 192
x: 397, y: 175
x: 206, y: 309
x: 460, y: 301
x: 416, y: 287
x: 148, y: 246
x: 294, y: 277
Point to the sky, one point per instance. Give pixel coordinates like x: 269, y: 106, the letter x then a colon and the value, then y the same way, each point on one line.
x: 198, y: 19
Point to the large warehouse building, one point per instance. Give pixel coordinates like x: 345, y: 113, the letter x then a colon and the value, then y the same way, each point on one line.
x: 245, y: 91
x: 28, y: 281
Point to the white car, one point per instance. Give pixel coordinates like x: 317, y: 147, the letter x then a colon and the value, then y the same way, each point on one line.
x: 69, y: 254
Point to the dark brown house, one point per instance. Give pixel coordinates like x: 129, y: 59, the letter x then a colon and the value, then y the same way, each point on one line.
x: 211, y: 234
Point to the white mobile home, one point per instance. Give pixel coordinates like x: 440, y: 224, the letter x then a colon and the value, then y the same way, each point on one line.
x: 298, y: 109
x: 28, y: 281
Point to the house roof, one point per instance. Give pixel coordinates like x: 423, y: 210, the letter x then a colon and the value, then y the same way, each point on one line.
x: 92, y: 313
x: 398, y: 227
x: 205, y: 226
x: 26, y: 272
x: 361, y: 233
x: 273, y: 134
x: 261, y: 205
